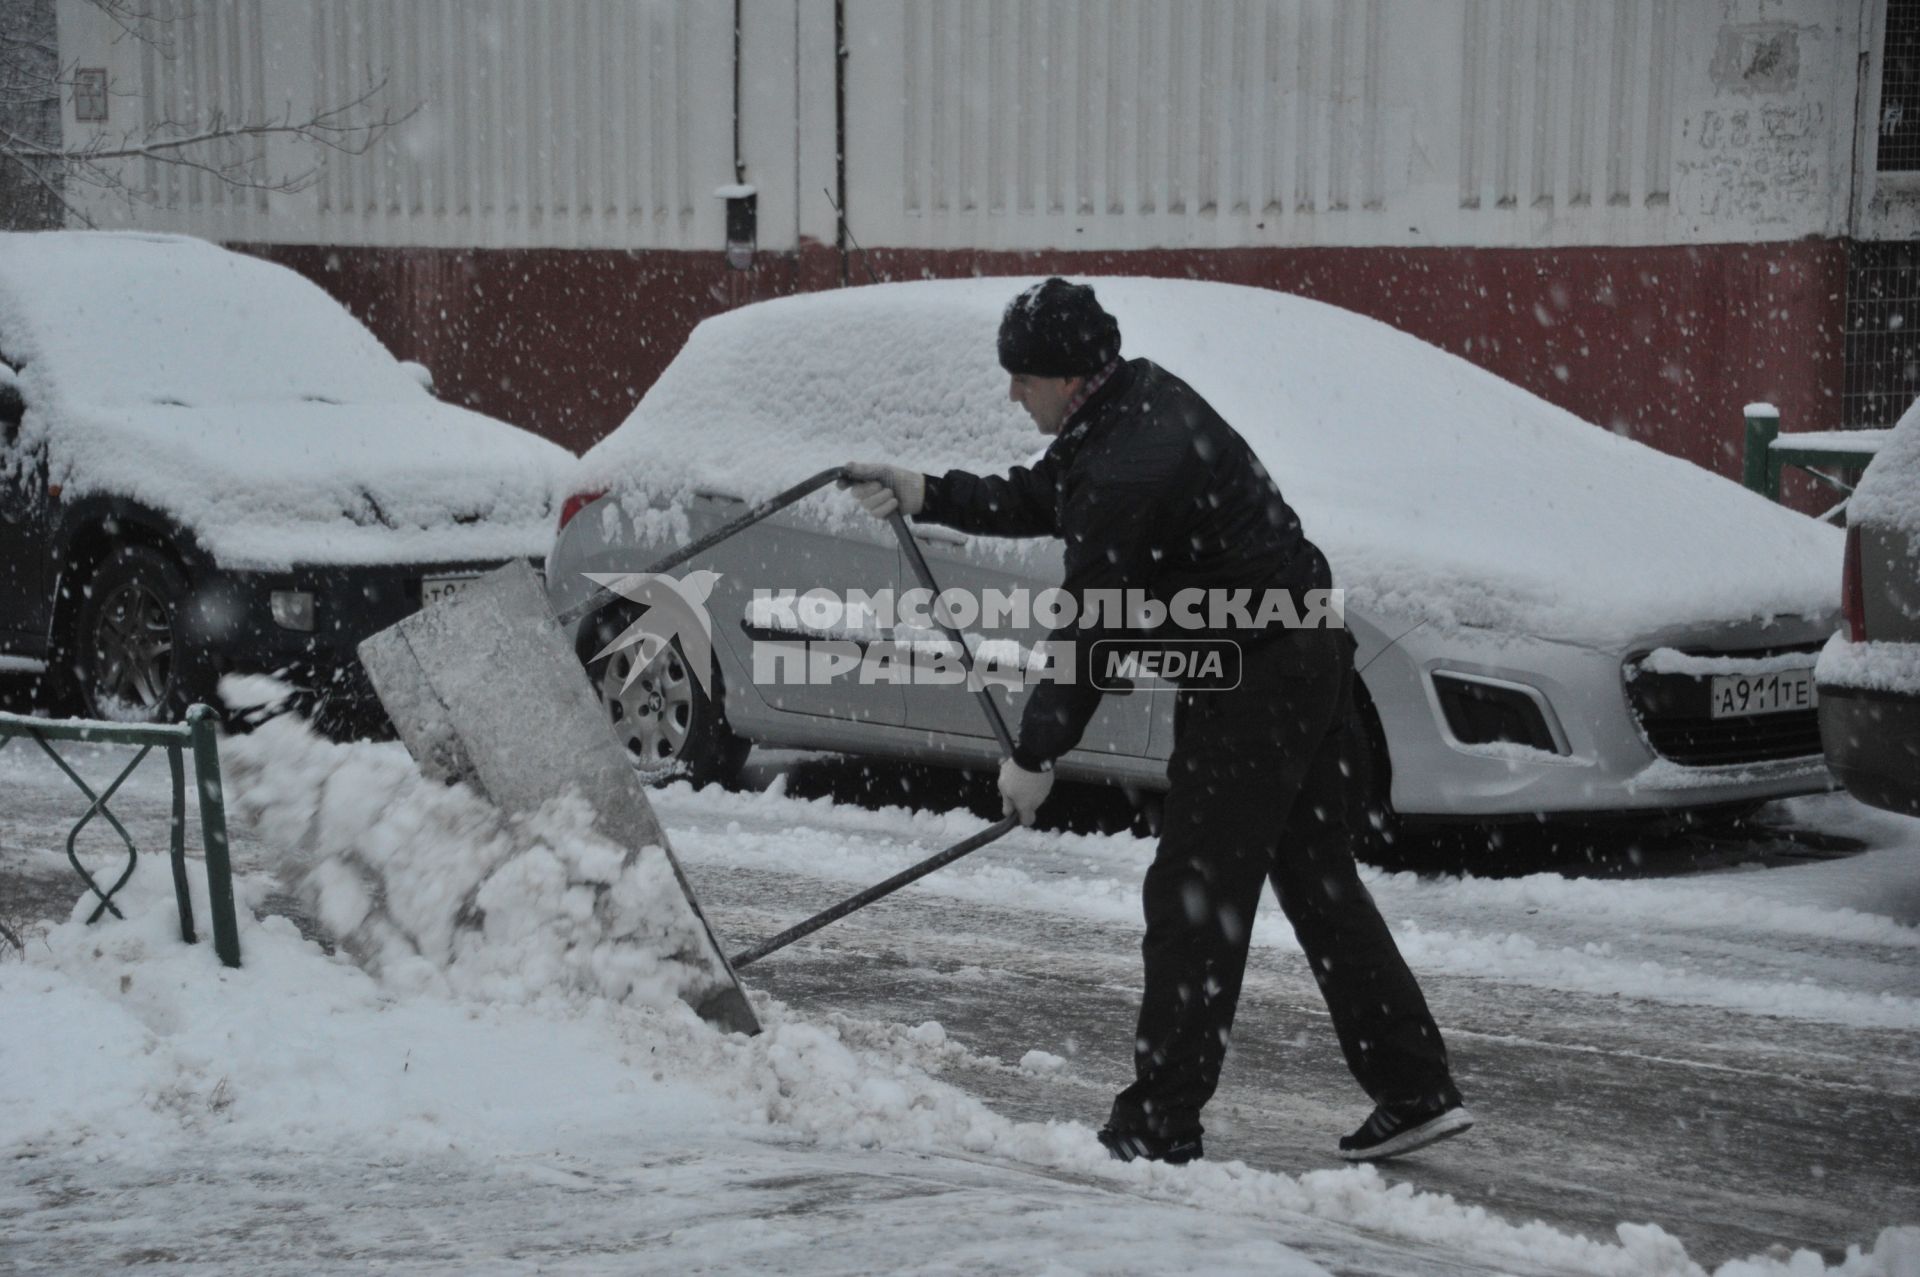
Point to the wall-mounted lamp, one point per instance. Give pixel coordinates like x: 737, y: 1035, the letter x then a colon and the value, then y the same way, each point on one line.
x: 742, y: 223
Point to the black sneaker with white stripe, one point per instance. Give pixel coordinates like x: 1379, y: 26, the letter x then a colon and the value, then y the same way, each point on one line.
x: 1400, y: 1128
x: 1126, y: 1146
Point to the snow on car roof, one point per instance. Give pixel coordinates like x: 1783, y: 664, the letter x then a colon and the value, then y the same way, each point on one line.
x: 1889, y: 491
x: 103, y: 313
x: 238, y: 398
x: 1439, y: 491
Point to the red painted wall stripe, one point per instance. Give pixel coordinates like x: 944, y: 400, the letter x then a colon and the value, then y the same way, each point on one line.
x: 1662, y: 344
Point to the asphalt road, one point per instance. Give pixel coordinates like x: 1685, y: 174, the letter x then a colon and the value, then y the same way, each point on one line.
x: 1735, y: 1133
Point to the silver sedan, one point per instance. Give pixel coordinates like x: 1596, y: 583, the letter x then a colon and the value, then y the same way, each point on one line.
x: 1551, y: 620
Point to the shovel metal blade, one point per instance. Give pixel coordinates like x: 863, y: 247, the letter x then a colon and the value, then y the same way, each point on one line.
x: 485, y: 690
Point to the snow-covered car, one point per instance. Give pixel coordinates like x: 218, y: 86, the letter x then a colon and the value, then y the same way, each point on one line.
x: 1869, y: 673
x: 1551, y: 619
x: 206, y: 464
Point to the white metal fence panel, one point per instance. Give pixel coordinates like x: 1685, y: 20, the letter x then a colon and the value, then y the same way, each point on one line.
x: 1042, y: 124
x: 1116, y: 124
x: 563, y: 122
x: 551, y: 123
x: 203, y: 68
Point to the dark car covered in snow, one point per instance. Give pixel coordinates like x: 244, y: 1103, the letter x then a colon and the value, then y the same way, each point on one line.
x: 207, y: 465
x: 1869, y: 673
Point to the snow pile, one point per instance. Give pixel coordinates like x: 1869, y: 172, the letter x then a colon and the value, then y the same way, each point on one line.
x: 431, y: 886
x: 1439, y: 491
x: 1667, y: 660
x: 145, y: 1052
x: 496, y: 1047
x: 239, y: 399
x: 144, y: 1043
x: 480, y: 1049
x: 1878, y: 666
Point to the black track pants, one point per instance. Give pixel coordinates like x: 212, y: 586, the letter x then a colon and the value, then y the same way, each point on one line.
x: 1259, y: 793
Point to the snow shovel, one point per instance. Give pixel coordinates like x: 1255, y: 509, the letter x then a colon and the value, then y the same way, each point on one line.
x: 484, y: 689
x: 471, y: 680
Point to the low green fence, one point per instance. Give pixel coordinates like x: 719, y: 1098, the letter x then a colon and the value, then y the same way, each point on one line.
x: 196, y: 736
x: 1825, y: 456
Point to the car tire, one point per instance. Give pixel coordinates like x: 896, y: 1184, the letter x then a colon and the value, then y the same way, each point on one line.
x: 670, y: 726
x: 132, y: 659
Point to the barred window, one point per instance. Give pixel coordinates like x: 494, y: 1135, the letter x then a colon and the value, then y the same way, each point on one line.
x: 1900, y: 89
x: 1882, y: 333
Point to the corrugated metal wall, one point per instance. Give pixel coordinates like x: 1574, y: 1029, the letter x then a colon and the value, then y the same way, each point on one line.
x: 568, y: 123
x: 1567, y: 103
x: 573, y: 121
x: 1011, y: 124
x: 205, y: 64
x: 1136, y: 108
x: 1159, y: 113
x: 1226, y: 123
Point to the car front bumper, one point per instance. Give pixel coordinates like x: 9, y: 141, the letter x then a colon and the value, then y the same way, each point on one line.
x: 1872, y: 741
x: 232, y: 614
x: 1606, y: 761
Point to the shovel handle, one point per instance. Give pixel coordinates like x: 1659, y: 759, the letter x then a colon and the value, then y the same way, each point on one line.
x: 750, y: 956
x: 924, y: 575
x: 772, y: 505
x: 602, y: 596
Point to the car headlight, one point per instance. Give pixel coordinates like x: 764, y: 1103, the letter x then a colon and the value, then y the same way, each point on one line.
x: 1490, y: 711
x: 292, y: 609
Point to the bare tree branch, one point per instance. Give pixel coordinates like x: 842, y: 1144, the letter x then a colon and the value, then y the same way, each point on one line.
x: 228, y: 150
x: 138, y: 22
x: 324, y: 128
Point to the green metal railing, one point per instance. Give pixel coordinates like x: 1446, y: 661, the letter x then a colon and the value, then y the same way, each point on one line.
x: 195, y: 735
x: 1769, y: 454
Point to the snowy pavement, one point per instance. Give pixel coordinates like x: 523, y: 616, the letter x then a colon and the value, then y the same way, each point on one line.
x: 1674, y: 1072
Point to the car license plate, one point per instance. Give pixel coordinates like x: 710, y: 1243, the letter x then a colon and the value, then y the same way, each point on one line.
x: 1743, y: 695
x: 437, y: 589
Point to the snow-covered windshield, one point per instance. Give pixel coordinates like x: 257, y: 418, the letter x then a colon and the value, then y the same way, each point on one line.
x: 137, y: 319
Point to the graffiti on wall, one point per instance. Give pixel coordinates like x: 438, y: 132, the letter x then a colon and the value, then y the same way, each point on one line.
x: 1760, y: 151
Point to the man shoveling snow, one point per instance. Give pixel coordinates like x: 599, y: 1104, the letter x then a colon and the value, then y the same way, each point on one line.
x: 1153, y: 491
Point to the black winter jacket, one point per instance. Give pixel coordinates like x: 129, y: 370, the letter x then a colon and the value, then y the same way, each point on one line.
x: 1150, y: 489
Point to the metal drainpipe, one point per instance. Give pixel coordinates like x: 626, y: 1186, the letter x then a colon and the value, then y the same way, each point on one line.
x: 739, y: 164
x: 840, y: 130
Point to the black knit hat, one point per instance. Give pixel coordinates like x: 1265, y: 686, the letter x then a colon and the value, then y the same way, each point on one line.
x: 1057, y: 329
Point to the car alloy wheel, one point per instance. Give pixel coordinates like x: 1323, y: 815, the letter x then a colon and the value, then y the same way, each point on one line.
x: 132, y: 662
x: 133, y: 648
x: 668, y: 724
x: 653, y: 711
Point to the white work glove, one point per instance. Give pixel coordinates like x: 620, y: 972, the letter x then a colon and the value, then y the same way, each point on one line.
x: 882, y: 489
x: 1022, y: 791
